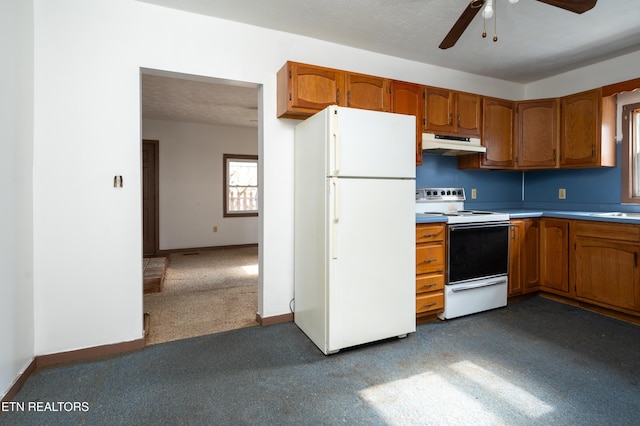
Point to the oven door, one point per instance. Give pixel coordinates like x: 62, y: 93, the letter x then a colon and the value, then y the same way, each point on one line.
x: 478, y: 250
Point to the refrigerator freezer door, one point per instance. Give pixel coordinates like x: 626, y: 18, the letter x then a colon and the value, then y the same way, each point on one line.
x: 370, y: 143
x: 371, y: 267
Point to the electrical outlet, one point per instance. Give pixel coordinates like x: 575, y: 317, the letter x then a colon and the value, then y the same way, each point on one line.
x: 474, y: 193
x: 215, y: 229
x: 562, y: 193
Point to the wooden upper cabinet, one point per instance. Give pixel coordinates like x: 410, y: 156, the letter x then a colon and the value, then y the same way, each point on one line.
x: 406, y: 98
x: 497, y: 136
x: 497, y: 133
x: 587, y: 130
x: 468, y: 114
x: 438, y: 110
x: 451, y: 113
x: 537, y: 134
x: 304, y: 89
x: 366, y: 92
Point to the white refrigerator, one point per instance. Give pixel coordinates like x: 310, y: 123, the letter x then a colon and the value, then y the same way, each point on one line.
x: 354, y: 227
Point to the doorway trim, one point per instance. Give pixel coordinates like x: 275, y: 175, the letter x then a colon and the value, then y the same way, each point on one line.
x: 156, y: 189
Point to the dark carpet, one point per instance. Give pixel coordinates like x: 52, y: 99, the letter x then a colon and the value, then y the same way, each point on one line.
x: 535, y: 362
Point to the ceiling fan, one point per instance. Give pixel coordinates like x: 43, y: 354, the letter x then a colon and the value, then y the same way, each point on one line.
x: 576, y: 6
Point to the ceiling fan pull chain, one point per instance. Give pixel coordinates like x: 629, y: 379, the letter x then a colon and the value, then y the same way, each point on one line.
x: 495, y: 24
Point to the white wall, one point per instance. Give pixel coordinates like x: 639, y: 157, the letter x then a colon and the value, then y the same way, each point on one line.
x: 88, y: 55
x: 16, y: 213
x: 191, y: 183
x: 590, y: 77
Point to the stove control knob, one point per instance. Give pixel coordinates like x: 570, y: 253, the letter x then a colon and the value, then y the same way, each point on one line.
x: 448, y: 192
x: 442, y: 192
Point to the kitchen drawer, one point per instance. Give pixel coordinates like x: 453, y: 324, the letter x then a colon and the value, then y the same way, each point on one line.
x: 610, y: 231
x: 429, y: 258
x: 430, y: 282
x: 428, y: 233
x: 430, y: 302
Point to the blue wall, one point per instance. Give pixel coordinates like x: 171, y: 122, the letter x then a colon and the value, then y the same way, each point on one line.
x: 587, y: 189
x: 497, y: 189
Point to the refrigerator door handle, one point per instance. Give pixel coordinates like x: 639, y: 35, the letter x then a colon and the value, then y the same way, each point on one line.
x: 335, y: 219
x: 336, y: 144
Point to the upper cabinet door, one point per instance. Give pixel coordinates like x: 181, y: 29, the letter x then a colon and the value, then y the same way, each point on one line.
x: 406, y: 98
x: 304, y: 90
x: 438, y: 110
x: 587, y: 137
x: 580, y: 129
x: 537, y: 134
x: 367, y: 92
x: 497, y: 133
x: 452, y: 113
x: 468, y: 114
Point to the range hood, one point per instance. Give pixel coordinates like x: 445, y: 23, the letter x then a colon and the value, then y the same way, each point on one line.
x: 450, y: 145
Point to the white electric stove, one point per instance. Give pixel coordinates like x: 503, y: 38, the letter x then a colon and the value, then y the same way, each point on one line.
x: 477, y: 252
x: 449, y: 202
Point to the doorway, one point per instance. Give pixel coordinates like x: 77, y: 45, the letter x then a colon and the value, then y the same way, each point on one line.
x: 180, y: 172
x: 150, y: 185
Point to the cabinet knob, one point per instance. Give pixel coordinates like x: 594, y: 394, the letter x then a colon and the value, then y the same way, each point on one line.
x: 429, y: 235
x: 428, y: 305
x: 429, y: 285
x: 430, y: 260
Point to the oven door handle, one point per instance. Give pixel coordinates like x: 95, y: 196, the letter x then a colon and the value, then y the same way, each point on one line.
x: 479, y: 225
x: 455, y: 289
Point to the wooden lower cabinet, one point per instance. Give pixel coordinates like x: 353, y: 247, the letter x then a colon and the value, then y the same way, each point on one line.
x: 430, y: 261
x: 524, y: 256
x: 554, y: 255
x: 585, y: 261
x: 605, y: 265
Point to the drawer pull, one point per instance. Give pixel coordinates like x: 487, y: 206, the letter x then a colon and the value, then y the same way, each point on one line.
x: 429, y: 285
x: 428, y: 305
x: 430, y: 235
x: 429, y: 260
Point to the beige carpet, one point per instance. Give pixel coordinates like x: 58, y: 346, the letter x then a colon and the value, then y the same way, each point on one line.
x: 204, y: 292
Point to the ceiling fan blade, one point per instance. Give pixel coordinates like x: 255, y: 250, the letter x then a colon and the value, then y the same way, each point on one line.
x: 575, y: 6
x: 461, y: 24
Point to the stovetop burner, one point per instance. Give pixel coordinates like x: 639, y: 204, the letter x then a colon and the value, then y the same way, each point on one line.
x: 449, y: 202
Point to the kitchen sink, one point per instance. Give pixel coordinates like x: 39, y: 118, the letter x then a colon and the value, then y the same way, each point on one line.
x: 622, y: 215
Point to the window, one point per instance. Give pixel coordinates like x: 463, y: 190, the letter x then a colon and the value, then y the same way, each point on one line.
x: 240, y: 185
x: 631, y: 153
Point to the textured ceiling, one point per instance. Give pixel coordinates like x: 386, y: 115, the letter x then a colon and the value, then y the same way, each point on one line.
x: 535, y: 40
x: 196, y: 101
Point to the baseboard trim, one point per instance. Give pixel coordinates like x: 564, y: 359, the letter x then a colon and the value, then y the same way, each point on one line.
x: 186, y: 250
x: 276, y: 319
x: 19, y: 382
x: 623, y: 316
x: 88, y: 353
x: 42, y: 361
